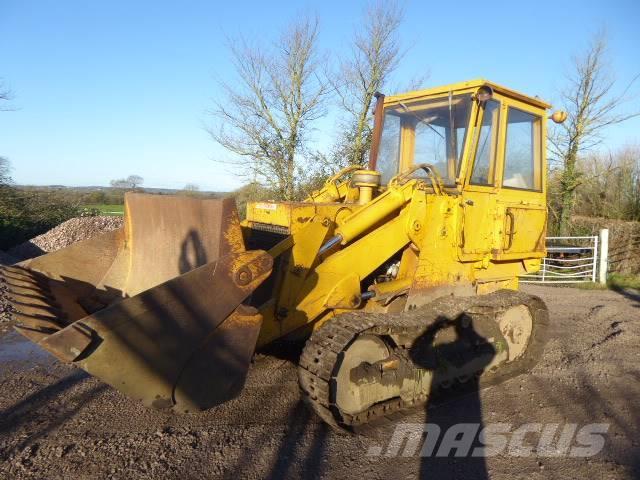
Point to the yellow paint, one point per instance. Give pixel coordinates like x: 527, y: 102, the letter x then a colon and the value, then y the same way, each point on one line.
x: 462, y: 87
x: 460, y: 239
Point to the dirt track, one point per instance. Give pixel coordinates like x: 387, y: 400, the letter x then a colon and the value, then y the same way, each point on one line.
x: 57, y: 422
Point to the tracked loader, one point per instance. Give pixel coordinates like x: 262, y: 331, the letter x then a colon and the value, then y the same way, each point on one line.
x: 402, y: 277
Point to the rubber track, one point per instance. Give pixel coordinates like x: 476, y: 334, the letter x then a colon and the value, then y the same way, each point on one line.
x: 322, y: 354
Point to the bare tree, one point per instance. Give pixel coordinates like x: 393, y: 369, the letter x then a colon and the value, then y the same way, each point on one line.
x: 191, y: 190
x: 374, y: 55
x: 611, y: 184
x: 132, y: 182
x: 5, y: 96
x: 592, y: 106
x: 5, y: 172
x: 120, y: 183
x: 135, y: 181
x: 5, y: 165
x: 268, y: 113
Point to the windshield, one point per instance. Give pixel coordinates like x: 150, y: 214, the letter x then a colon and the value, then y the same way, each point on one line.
x: 431, y: 131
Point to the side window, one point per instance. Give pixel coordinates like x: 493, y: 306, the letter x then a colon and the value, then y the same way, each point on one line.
x: 522, y: 156
x: 389, y: 153
x: 487, y: 144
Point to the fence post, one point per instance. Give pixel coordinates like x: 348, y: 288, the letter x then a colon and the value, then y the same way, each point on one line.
x: 604, y: 254
x: 594, y: 263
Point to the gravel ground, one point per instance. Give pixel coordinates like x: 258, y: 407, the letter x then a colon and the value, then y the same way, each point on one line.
x: 6, y: 309
x: 57, y: 422
x: 71, y: 231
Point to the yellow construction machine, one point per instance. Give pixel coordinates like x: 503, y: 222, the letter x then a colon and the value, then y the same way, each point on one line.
x: 402, y: 277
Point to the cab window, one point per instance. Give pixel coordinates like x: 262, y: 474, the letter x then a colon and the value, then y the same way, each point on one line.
x: 429, y: 131
x: 522, y: 158
x: 486, y: 145
x: 389, y: 150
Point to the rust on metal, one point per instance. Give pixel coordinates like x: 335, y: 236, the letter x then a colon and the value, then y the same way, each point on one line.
x: 243, y: 276
x: 217, y: 371
x: 377, y: 130
x: 33, y: 333
x: 68, y: 344
x: 159, y: 312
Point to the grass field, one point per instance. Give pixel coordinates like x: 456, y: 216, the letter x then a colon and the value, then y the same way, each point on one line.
x: 106, y: 209
x: 615, y: 281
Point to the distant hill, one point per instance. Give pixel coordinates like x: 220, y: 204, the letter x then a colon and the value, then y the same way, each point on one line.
x: 89, y: 189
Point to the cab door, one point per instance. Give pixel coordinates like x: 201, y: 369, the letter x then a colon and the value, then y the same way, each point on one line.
x: 521, y: 200
x: 481, y: 218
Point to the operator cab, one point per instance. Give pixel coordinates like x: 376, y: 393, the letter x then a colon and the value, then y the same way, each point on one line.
x: 472, y: 133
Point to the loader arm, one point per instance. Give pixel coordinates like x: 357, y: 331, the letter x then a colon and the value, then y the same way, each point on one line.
x: 333, y: 252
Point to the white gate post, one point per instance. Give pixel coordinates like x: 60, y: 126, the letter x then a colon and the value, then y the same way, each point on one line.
x: 604, y: 255
x: 594, y: 262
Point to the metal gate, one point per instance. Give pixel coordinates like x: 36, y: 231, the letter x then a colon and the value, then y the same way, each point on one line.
x: 568, y: 260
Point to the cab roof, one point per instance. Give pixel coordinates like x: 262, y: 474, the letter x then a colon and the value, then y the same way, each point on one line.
x: 468, y: 85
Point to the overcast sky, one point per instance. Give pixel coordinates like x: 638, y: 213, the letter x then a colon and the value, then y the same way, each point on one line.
x: 104, y: 89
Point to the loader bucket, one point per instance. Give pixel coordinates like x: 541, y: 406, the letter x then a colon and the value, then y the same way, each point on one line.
x: 154, y: 309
